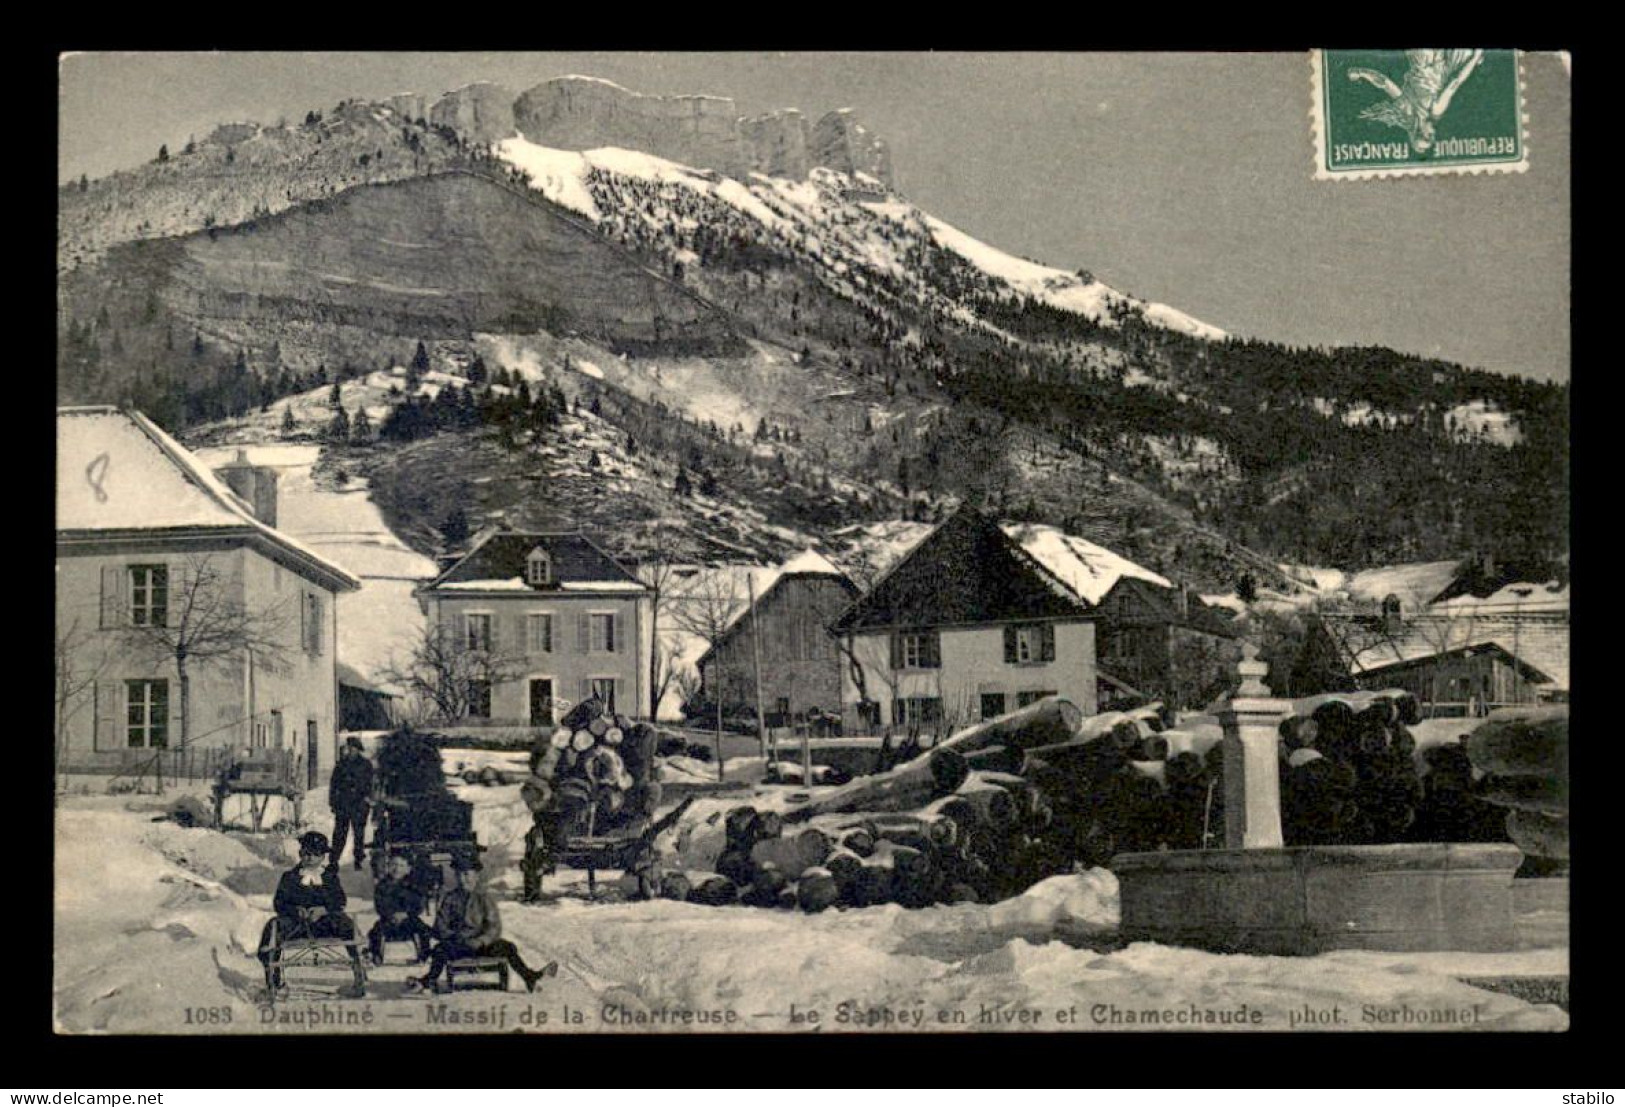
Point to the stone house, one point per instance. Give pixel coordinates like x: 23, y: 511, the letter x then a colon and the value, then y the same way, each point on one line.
x: 565, y: 619
x: 153, y: 549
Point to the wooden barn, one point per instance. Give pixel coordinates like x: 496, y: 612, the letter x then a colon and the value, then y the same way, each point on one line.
x: 800, y: 658
x: 1165, y: 642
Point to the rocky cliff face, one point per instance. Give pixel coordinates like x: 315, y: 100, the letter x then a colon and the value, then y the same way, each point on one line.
x: 842, y: 143
x: 581, y: 113
x: 777, y: 143
x: 482, y: 112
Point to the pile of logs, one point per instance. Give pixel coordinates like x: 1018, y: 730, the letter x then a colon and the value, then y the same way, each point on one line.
x: 600, y: 768
x: 974, y: 819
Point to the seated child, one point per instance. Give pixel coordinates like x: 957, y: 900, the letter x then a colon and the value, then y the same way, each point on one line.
x: 468, y: 926
x: 399, y: 903
x: 309, y: 903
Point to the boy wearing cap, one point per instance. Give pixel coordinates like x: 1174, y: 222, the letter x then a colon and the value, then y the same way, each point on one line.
x: 348, y: 793
x: 399, y: 903
x: 468, y: 926
x: 309, y: 903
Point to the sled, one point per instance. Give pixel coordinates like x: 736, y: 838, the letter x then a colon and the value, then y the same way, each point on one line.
x: 310, y: 968
x: 468, y: 973
x: 630, y: 850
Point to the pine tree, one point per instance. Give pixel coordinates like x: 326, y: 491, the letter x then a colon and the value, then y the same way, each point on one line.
x: 593, y: 461
x: 163, y: 153
x: 420, y: 360
x: 287, y: 420
x: 708, y: 483
x: 454, y: 530
x: 684, y: 486
x: 84, y: 183
x: 334, y: 398
x: 361, y: 428
x: 338, y: 431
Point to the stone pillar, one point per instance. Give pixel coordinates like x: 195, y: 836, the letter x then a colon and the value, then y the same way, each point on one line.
x: 1252, y: 781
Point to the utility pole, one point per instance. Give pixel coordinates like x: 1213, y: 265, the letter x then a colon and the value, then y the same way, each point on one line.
x: 756, y: 659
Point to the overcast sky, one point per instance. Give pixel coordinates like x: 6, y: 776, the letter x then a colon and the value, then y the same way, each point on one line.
x: 1184, y: 178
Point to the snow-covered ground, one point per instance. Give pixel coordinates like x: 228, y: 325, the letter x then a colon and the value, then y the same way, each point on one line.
x: 154, y: 921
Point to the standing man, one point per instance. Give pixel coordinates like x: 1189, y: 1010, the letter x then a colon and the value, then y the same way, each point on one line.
x: 348, y: 794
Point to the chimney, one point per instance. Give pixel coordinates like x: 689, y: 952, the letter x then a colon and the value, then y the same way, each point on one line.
x: 255, y: 484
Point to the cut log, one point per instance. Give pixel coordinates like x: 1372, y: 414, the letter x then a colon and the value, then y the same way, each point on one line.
x: 903, y: 788
x: 817, y: 890
x: 1001, y: 758
x: 614, y: 735
x: 1046, y: 722
x: 674, y: 885
x: 793, y: 855
x: 1523, y: 741
x: 787, y: 898
x: 582, y: 740
x: 1528, y: 793
x: 561, y: 737
x: 844, y: 867
x: 872, y: 886
x: 598, y: 727
x: 860, y: 840
x: 769, y: 824
x: 716, y: 891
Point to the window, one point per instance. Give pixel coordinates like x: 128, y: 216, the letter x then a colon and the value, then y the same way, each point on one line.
x: 149, y: 595
x: 311, y: 623
x: 477, y: 631
x: 603, y: 633
x: 604, y: 689
x: 146, y: 715
x: 917, y: 712
x: 1023, y: 699
x: 479, y: 699
x: 262, y: 735
x: 539, y: 567
x: 1029, y: 644
x: 540, y: 633
x: 992, y: 705
x: 916, y: 650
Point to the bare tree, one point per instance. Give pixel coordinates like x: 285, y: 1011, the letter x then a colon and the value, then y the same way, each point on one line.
x: 658, y: 577
x: 443, y: 676
x: 204, y: 621
x: 707, y: 610
x: 77, y: 664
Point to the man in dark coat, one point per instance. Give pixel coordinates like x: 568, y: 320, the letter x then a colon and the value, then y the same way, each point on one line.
x: 348, y: 793
x: 468, y: 925
x: 399, y: 903
x: 309, y: 903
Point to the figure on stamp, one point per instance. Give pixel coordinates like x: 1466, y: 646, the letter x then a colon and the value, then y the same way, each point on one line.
x: 1430, y: 82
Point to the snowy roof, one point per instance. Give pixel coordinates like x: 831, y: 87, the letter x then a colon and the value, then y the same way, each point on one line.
x: 1540, y: 642
x: 1089, y: 570
x: 808, y: 563
x: 117, y: 471
x: 967, y: 571
x: 498, y: 562
x: 1416, y: 584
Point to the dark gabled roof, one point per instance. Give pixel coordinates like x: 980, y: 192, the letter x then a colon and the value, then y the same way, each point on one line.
x: 966, y: 571
x: 1401, y: 658
x: 1163, y: 606
x: 503, y: 556
x: 1480, y: 581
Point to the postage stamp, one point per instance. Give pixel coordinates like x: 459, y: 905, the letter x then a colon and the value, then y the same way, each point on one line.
x: 1395, y: 113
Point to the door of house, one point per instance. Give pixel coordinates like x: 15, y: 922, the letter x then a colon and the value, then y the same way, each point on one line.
x: 541, y: 703
x: 312, y: 749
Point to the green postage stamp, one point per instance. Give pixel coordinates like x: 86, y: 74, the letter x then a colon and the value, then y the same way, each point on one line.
x: 1393, y: 113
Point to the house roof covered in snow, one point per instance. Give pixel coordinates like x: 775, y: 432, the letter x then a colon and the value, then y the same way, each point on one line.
x: 1540, y: 643
x: 968, y: 571
x: 498, y: 563
x: 119, y: 475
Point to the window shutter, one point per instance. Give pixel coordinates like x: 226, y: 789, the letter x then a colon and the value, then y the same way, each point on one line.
x: 174, y: 595
x: 896, y: 650
x: 112, y: 596
x: 547, y: 634
x: 172, y: 693
x: 1009, y: 645
x: 316, y: 621
x: 584, y: 633
x: 618, y: 633
x: 304, y: 621
x: 1047, y: 644
x: 933, y: 650
x: 276, y: 728
x: 109, y: 730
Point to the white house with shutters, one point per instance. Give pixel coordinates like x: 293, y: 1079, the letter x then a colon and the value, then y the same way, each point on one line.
x: 152, y: 546
x: 564, y: 618
x: 967, y: 626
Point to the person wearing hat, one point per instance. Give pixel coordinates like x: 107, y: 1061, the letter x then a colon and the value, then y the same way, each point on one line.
x: 309, y: 903
x: 468, y: 925
x: 348, y: 793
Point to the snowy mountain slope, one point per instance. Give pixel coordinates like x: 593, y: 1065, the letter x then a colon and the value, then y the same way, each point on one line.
x: 833, y: 218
